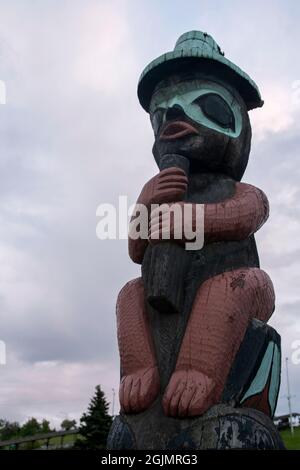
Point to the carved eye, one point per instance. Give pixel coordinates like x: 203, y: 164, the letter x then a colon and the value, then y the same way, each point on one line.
x: 156, y: 119
x: 216, y: 109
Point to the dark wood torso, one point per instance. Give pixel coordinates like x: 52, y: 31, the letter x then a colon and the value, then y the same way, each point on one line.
x: 184, y: 271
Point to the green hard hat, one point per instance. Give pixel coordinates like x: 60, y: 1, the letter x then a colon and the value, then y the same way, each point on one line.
x: 192, y: 49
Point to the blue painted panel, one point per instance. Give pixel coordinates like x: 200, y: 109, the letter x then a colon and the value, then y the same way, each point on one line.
x: 260, y: 380
x: 275, y: 378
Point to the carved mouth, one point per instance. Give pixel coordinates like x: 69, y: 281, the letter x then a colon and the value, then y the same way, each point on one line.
x: 176, y: 130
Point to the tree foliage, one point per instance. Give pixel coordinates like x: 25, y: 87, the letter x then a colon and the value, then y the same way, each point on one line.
x: 31, y: 427
x: 68, y: 424
x: 9, y: 430
x: 95, y: 423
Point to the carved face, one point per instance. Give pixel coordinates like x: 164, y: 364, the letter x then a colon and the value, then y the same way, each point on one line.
x: 203, y: 120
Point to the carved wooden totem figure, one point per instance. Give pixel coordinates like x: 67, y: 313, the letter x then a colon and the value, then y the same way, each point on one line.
x: 200, y: 367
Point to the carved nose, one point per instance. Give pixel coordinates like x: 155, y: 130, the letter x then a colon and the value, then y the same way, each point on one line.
x: 175, y: 112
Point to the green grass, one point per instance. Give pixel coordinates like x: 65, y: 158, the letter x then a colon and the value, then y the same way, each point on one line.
x: 291, y: 442
x: 70, y: 438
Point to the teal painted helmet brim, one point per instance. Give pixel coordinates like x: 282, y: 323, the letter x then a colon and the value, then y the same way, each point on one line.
x: 213, y: 63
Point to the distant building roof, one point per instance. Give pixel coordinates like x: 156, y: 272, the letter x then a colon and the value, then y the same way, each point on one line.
x: 286, y: 416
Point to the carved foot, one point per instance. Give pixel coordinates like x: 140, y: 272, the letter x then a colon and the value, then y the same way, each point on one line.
x: 139, y: 390
x: 189, y: 393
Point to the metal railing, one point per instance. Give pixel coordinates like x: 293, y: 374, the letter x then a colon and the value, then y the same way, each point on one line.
x: 15, y: 444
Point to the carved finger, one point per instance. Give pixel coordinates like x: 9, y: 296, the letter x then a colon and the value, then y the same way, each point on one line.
x: 161, y: 209
x: 127, y: 391
x: 173, y: 170
x: 174, y: 178
x: 121, y: 395
x: 175, y: 398
x: 168, y: 195
x: 149, y: 387
x: 187, y: 396
x: 176, y: 186
x: 134, y: 395
x: 172, y: 395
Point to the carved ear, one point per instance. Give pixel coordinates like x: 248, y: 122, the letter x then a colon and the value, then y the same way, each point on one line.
x: 156, y: 154
x: 238, y: 150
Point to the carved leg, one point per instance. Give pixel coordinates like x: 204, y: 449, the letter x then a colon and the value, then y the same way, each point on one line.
x: 219, y: 318
x: 139, y: 373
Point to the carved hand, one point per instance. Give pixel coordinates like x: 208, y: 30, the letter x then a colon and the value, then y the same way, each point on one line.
x: 167, y: 221
x: 169, y: 185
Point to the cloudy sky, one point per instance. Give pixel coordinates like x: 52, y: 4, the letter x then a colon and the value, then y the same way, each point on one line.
x: 72, y: 136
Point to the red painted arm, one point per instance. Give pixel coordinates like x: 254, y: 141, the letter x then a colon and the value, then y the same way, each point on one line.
x: 232, y: 219
x: 238, y: 217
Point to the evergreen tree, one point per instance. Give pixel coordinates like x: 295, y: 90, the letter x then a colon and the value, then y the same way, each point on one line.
x: 94, y: 424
